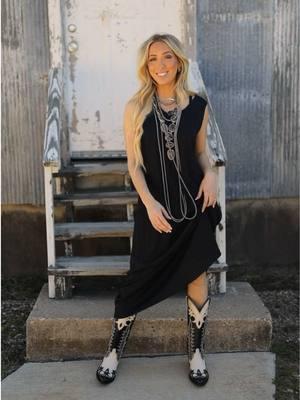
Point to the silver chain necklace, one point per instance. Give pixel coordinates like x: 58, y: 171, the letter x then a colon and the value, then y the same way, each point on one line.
x: 170, y: 133
x: 167, y: 101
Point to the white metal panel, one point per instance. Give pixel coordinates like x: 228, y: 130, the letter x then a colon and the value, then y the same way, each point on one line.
x: 101, y: 73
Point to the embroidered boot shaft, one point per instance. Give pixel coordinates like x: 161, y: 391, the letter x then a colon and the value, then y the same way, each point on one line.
x: 196, y: 320
x: 121, y: 327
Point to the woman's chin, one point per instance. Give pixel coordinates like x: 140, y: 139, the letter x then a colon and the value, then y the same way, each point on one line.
x: 162, y: 82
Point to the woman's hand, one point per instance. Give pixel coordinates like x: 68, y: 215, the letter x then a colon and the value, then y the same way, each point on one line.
x: 209, y: 187
x: 157, y: 214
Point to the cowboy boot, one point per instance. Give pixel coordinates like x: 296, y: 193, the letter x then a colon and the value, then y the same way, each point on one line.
x: 106, y: 371
x: 196, y: 319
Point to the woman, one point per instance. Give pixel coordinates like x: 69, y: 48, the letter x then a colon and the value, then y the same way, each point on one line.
x: 175, y: 218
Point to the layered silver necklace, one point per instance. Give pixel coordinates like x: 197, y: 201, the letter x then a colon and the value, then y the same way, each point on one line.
x: 170, y: 133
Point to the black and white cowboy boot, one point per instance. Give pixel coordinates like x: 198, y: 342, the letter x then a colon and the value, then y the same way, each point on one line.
x: 196, y: 321
x: 106, y: 371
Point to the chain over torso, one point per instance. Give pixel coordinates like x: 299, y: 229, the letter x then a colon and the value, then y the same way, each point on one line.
x: 191, y: 172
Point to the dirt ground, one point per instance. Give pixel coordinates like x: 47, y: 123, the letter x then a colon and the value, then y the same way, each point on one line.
x: 19, y: 296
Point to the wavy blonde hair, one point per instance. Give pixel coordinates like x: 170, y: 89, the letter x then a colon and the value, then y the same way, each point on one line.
x: 142, y: 100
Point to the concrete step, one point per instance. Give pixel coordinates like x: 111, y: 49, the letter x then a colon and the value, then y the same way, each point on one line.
x: 80, y: 327
x: 233, y: 376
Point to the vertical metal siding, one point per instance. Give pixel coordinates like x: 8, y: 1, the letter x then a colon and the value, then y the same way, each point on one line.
x: 249, y: 57
x: 235, y: 57
x: 25, y: 64
x: 285, y: 99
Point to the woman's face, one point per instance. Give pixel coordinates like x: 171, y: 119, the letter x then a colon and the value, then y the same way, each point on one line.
x: 161, y: 59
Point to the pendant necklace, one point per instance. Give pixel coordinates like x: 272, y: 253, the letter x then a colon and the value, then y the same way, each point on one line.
x: 170, y: 134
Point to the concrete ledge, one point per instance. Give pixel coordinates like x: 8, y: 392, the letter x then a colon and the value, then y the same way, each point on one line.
x: 80, y: 327
x: 238, y: 376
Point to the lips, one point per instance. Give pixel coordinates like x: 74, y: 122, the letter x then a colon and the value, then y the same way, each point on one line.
x: 163, y: 73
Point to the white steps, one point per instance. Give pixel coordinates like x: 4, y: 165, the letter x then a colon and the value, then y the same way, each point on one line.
x: 103, y: 266
x: 90, y: 185
x: 87, y: 230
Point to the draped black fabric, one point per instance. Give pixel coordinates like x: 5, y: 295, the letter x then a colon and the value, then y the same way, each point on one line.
x: 161, y: 264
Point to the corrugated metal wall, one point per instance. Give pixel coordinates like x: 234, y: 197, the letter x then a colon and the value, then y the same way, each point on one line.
x: 25, y: 64
x: 285, y: 99
x: 249, y: 57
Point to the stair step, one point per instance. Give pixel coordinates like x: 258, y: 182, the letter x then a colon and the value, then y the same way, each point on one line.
x: 98, y: 198
x: 91, y: 266
x: 103, y: 266
x: 85, y: 230
x: 81, y: 326
x: 233, y: 376
x: 92, y: 168
x: 111, y: 155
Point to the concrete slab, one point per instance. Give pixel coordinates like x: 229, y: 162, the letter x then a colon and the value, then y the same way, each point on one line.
x: 238, y: 376
x: 80, y: 327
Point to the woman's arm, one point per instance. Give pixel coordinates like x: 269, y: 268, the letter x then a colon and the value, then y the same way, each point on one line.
x: 156, y: 212
x: 209, y: 184
x: 137, y: 176
x: 201, y: 146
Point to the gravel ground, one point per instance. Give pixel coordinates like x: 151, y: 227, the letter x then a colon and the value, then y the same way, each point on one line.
x: 19, y: 296
x: 284, y: 308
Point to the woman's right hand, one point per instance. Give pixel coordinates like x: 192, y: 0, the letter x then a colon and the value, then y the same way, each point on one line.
x: 157, y: 214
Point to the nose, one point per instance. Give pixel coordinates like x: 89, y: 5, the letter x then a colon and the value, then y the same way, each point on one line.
x: 162, y: 62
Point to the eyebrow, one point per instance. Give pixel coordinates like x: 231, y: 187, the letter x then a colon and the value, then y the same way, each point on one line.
x: 163, y: 53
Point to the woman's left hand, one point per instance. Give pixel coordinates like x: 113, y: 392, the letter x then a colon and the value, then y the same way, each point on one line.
x: 209, y: 187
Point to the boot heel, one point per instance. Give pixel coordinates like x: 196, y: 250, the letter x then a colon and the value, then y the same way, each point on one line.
x: 121, y: 327
x: 196, y: 321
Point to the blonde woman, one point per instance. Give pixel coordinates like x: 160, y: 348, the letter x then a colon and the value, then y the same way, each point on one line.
x: 175, y: 217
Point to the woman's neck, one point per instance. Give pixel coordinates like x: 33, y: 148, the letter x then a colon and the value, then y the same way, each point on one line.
x: 165, y: 92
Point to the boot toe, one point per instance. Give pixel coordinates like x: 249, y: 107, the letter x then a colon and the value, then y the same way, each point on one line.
x: 105, y: 378
x: 199, y: 379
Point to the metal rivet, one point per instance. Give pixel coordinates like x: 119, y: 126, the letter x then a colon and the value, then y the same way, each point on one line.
x: 73, y: 46
x: 72, y: 28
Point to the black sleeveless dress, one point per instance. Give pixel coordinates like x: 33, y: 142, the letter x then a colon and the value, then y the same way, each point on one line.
x: 161, y: 264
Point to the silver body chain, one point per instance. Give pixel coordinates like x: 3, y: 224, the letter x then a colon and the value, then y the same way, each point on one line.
x: 170, y: 133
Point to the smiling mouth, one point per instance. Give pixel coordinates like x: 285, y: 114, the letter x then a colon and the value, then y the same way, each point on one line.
x: 162, y: 74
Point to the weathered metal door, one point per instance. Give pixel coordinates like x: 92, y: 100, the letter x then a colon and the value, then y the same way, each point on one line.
x: 101, y: 38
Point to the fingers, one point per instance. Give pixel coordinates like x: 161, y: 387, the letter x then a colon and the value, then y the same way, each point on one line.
x: 165, y: 226
x: 161, y: 224
x: 209, y: 200
x: 166, y: 214
x: 199, y: 192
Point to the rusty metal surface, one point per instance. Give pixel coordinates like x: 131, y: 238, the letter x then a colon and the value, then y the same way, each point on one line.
x: 250, y: 86
x: 285, y: 99
x: 25, y: 66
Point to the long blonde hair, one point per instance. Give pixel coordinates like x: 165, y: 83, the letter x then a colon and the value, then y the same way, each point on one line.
x: 142, y: 100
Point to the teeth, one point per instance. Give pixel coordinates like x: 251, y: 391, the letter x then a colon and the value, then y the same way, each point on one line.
x: 162, y: 74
